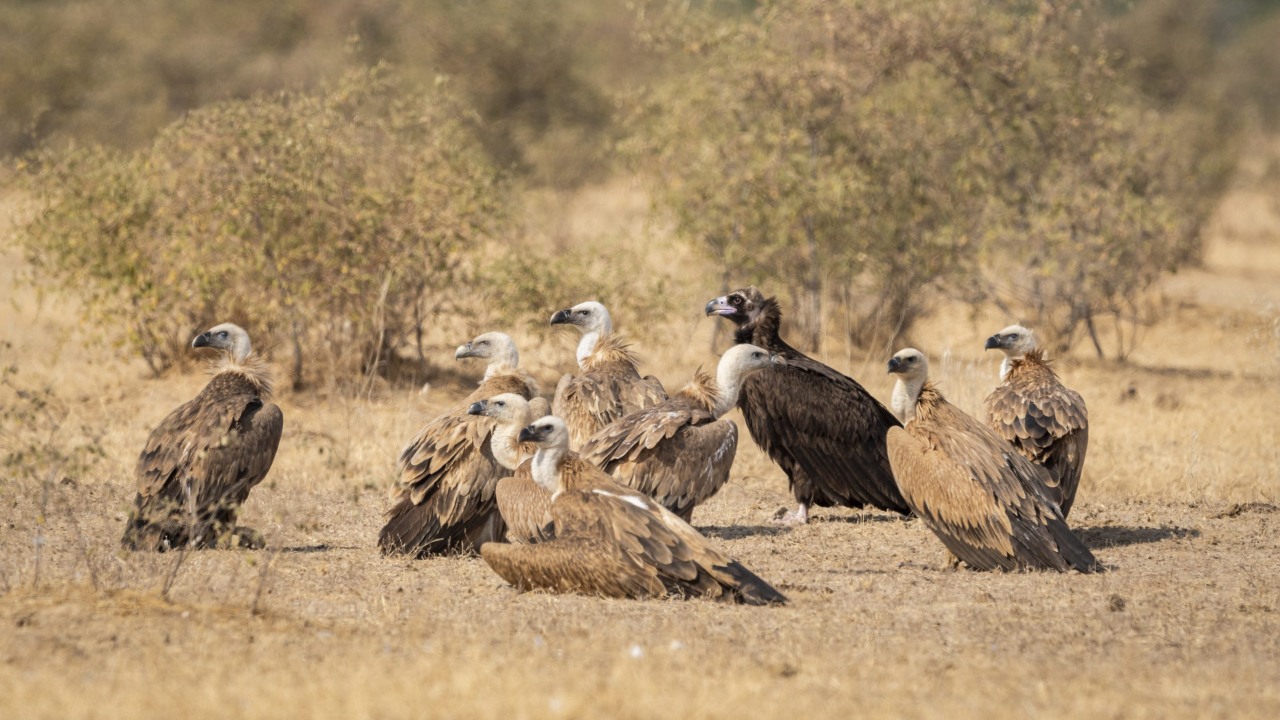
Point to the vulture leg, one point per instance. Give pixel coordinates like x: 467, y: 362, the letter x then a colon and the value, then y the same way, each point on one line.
x: 799, y: 516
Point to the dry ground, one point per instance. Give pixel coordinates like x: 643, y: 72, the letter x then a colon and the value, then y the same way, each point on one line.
x: 1178, y: 499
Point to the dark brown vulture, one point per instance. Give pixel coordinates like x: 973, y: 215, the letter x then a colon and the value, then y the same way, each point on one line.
x: 823, y: 429
x: 613, y: 541
x: 524, y: 506
x: 679, y: 452
x: 986, y: 502
x: 607, y: 385
x: 1043, y: 418
x: 201, y: 461
x: 444, y: 501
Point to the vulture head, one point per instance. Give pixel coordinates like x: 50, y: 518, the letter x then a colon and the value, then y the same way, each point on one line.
x: 507, y: 409
x: 227, y: 337
x: 589, y: 317
x: 741, y: 306
x: 912, y: 369
x: 496, y: 347
x: 546, y: 432
x: 735, y: 365
x: 1014, y: 341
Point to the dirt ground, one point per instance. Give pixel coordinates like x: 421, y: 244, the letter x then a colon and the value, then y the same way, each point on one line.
x: 1178, y: 500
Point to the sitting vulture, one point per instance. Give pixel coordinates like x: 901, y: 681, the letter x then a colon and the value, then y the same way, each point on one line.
x: 607, y: 384
x: 444, y: 501
x: 1032, y: 409
x: 986, y: 502
x: 679, y: 451
x: 824, y: 430
x: 524, y: 506
x: 201, y: 461
x: 613, y: 541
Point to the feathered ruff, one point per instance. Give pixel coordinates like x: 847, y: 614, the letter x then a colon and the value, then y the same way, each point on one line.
x: 610, y: 349
x: 702, y: 390
x: 253, y: 367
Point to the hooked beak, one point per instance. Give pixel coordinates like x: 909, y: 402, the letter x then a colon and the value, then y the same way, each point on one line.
x: 778, y: 360
x: 526, y: 435
x: 993, y: 342
x: 895, y: 365
x: 202, y: 340
x: 477, y: 408
x: 463, y: 351
x: 561, y: 317
x: 720, y: 306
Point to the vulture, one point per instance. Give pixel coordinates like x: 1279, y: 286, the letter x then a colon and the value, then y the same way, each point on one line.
x: 613, y: 541
x: 444, y: 499
x: 679, y: 451
x: 823, y: 429
x: 984, y: 500
x: 1045, y: 420
x: 524, y: 506
x: 607, y: 385
x: 201, y: 461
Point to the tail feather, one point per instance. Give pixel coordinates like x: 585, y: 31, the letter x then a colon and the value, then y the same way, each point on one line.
x: 748, y: 588
x: 1073, y: 550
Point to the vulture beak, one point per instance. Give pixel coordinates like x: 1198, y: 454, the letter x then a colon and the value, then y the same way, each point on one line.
x: 202, y: 340
x: 778, y: 360
x: 720, y: 306
x: 561, y: 317
x: 477, y: 408
x: 463, y: 351
x: 894, y: 365
x: 993, y: 342
x: 527, y: 434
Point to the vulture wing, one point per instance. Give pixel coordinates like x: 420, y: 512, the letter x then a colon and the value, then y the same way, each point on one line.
x: 525, y: 507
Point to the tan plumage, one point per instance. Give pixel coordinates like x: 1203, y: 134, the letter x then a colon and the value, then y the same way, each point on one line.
x: 615, y: 542
x: 524, y: 506
x: 444, y: 501
x: 201, y: 461
x: 1045, y: 420
x: 680, y: 451
x: 984, y: 501
x: 607, y: 385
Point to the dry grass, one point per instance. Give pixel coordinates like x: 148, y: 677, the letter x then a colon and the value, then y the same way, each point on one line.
x: 1178, y: 499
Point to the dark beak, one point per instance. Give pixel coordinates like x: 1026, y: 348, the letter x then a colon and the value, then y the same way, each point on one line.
x: 993, y: 342
x: 561, y: 317
x: 526, y: 435
x: 477, y: 408
x: 720, y: 306
x: 202, y: 340
x: 463, y: 351
x: 894, y: 365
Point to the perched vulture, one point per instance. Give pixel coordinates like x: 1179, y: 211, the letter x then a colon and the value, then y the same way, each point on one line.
x: 613, y: 541
x: 986, y: 502
x: 824, y: 430
x: 1043, y: 418
x: 679, y: 452
x: 524, y: 506
x: 607, y: 385
x: 444, y: 501
x: 201, y: 461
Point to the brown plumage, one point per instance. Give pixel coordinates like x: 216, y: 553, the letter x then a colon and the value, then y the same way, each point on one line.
x: 1045, y: 420
x: 984, y: 501
x: 444, y: 501
x: 613, y: 541
x: 524, y: 506
x: 823, y: 429
x: 607, y: 385
x: 201, y: 461
x: 680, y: 451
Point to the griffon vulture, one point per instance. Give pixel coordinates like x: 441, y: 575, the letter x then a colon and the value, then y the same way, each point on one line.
x: 201, y: 461
x: 444, y: 500
x: 613, y: 541
x: 1043, y: 418
x: 986, y: 502
x: 607, y: 385
x: 524, y: 506
x: 824, y: 430
x: 679, y: 452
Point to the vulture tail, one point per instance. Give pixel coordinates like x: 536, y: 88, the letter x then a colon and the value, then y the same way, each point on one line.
x: 1073, y: 549
x: 748, y: 588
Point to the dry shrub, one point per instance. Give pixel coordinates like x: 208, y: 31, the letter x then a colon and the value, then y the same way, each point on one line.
x: 331, y: 224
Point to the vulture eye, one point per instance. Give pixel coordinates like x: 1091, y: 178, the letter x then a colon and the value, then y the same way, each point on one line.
x: 482, y: 342
x: 735, y: 300
x: 582, y: 312
x: 501, y: 403
x: 223, y: 334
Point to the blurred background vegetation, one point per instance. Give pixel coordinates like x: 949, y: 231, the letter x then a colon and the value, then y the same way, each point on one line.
x: 344, y: 176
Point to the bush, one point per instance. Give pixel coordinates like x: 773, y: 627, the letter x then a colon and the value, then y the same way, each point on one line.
x: 328, y: 223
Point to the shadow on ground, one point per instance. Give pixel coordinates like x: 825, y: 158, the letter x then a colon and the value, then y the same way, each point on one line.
x: 1119, y: 535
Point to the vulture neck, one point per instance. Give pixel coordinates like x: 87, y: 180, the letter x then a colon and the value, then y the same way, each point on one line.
x: 548, y: 464
x: 905, y: 395
x: 728, y: 384
x: 1006, y: 365
x: 505, y: 361
x: 251, y: 367
x: 590, y: 339
x: 506, y: 446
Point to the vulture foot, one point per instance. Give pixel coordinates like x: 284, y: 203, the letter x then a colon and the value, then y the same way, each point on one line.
x: 247, y: 538
x: 799, y: 516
